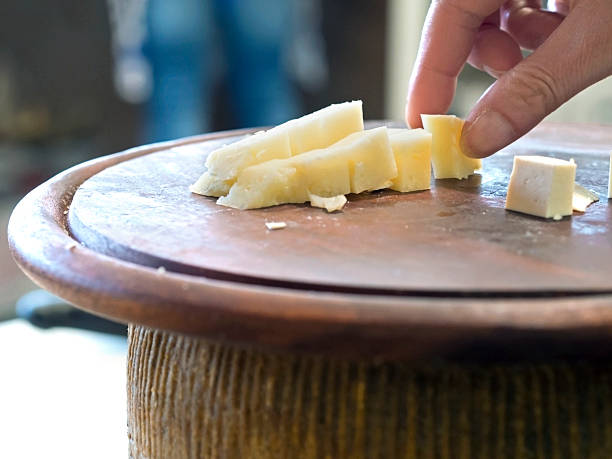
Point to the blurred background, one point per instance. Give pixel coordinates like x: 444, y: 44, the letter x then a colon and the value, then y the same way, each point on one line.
x: 84, y: 78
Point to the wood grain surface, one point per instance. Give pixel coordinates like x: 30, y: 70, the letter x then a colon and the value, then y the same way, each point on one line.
x: 296, y: 317
x: 190, y: 398
x: 455, y: 239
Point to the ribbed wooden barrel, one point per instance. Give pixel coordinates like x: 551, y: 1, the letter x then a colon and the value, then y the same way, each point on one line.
x: 190, y: 398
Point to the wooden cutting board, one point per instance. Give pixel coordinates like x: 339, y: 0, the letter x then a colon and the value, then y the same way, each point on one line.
x: 456, y: 239
x: 435, y: 274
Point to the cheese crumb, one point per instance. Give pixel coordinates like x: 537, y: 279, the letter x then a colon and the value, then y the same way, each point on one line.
x: 330, y: 204
x: 161, y: 270
x: 275, y: 225
x: 583, y: 198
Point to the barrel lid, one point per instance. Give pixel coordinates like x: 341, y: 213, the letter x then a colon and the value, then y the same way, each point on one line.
x: 123, y: 236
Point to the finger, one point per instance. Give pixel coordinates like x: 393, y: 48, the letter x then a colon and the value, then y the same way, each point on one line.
x: 529, y: 25
x: 494, y: 51
x: 575, y: 56
x: 492, y: 19
x: 448, y: 34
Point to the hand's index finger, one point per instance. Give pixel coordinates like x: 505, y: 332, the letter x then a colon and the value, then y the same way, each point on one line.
x: 448, y: 35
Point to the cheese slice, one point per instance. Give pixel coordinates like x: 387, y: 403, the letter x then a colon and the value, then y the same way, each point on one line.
x: 541, y: 186
x: 412, y: 152
x: 324, y: 127
x: 319, y: 129
x: 446, y: 154
x: 363, y: 161
x: 583, y: 198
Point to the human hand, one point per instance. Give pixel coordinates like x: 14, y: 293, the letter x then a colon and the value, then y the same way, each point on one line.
x: 572, y: 50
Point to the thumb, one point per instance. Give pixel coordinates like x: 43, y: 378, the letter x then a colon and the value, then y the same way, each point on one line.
x: 576, y: 55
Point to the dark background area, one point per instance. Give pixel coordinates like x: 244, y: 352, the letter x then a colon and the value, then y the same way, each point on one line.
x: 59, y: 106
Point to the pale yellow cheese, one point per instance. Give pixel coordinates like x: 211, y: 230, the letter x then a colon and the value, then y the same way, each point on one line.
x: 209, y: 185
x: 324, y: 127
x: 360, y: 162
x: 275, y: 225
x: 228, y: 161
x: 412, y: 152
x: 541, y: 186
x: 330, y: 204
x: 268, y: 184
x: 319, y: 129
x: 447, y: 157
x: 583, y: 198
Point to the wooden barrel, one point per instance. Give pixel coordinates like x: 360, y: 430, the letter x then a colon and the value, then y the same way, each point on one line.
x: 188, y: 397
x: 432, y: 324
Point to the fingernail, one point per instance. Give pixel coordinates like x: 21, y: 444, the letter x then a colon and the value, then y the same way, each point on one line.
x: 494, y: 73
x: 487, y: 134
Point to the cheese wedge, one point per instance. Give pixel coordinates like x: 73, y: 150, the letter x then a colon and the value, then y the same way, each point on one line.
x: 447, y: 158
x: 363, y: 161
x: 324, y: 127
x: 412, y: 152
x: 583, y: 198
x: 541, y: 186
x: 319, y: 129
x: 209, y: 185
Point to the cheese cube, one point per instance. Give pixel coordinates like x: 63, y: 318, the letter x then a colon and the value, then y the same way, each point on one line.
x: 541, y: 186
x: 412, y: 152
x: 362, y: 161
x: 315, y: 130
x: 446, y: 154
x: 371, y: 161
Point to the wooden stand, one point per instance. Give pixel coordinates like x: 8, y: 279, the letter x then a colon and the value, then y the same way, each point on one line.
x: 191, y: 398
x: 432, y: 325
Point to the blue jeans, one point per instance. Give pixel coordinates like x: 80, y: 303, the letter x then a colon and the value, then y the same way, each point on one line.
x: 189, y: 39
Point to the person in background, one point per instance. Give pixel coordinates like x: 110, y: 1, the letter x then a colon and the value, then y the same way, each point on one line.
x: 572, y: 49
x: 171, y: 56
x: 190, y: 44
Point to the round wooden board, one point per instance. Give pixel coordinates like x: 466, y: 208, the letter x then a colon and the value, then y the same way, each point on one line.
x: 456, y: 239
x: 122, y: 282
